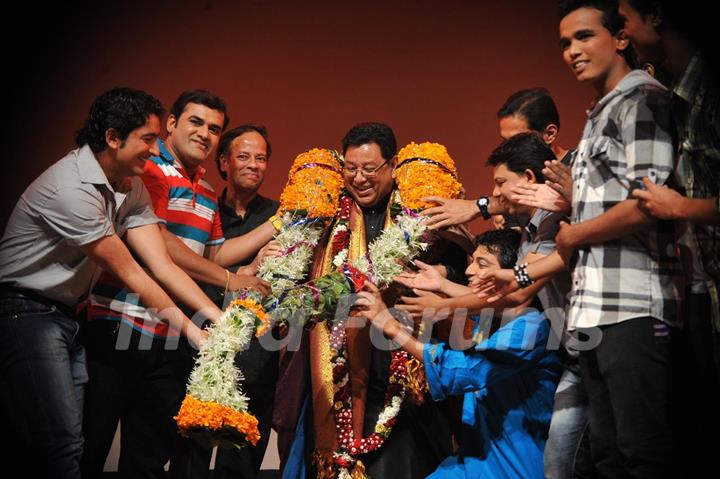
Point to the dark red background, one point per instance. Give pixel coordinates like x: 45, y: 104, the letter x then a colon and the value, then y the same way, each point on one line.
x: 308, y: 70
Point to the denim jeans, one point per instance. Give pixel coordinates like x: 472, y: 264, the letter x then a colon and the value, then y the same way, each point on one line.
x: 43, y: 375
x: 139, y: 382
x: 567, y: 455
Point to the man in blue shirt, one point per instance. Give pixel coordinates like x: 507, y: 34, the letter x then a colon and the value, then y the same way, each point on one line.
x: 507, y: 376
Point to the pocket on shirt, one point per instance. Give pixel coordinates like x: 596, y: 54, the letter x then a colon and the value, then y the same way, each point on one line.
x: 607, y: 170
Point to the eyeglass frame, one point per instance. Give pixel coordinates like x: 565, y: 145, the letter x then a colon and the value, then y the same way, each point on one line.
x: 365, y: 173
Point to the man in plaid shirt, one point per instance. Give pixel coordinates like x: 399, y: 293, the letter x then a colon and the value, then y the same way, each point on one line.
x: 626, y: 277
x: 652, y: 26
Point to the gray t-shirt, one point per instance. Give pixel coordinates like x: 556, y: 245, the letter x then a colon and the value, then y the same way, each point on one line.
x: 538, y: 236
x: 70, y: 205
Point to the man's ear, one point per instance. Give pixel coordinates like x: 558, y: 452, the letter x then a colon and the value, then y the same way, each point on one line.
x: 392, y: 164
x: 621, y: 41
x: 223, y: 162
x: 171, y: 123
x: 112, y: 139
x: 529, y: 176
x: 550, y: 133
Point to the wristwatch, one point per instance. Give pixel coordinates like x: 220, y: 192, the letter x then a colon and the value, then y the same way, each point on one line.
x: 482, y: 204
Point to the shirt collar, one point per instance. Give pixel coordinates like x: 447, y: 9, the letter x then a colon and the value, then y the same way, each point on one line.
x: 165, y: 155
x: 229, y: 210
x: 532, y: 225
x: 689, y: 85
x: 90, y: 170
x: 168, y: 158
x: 629, y: 82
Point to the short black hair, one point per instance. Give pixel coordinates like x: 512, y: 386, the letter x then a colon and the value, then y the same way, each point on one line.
x: 370, y: 132
x: 524, y: 151
x: 199, y: 97
x: 612, y: 20
x: 121, y: 109
x: 227, y: 138
x: 502, y: 243
x: 535, y: 105
x: 645, y: 7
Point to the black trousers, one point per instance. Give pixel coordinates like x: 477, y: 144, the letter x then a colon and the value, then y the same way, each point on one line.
x: 141, y: 384
x: 191, y: 460
x: 629, y: 381
x: 700, y: 402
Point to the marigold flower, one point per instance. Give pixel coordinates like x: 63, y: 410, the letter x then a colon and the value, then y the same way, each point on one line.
x: 262, y: 322
x: 314, y: 184
x: 196, y: 414
x: 425, y: 169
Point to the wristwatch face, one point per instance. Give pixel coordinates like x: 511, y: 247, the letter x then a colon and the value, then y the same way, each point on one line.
x: 482, y: 205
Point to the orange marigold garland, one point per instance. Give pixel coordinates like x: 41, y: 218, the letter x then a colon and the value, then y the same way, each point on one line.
x: 314, y: 184
x: 308, y: 202
x: 425, y: 169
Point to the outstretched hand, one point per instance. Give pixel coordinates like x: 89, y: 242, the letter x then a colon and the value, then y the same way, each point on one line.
x: 493, y: 284
x: 559, y: 177
x: 449, y: 212
x: 428, y: 278
x: 270, y: 250
x: 425, y: 305
x: 242, y: 281
x: 540, y: 195
x: 371, y: 305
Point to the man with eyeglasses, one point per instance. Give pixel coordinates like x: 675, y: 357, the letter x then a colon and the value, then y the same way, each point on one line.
x: 420, y: 438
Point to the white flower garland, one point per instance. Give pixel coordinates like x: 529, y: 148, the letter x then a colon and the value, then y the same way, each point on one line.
x: 398, y: 244
x: 215, y: 377
x: 298, y: 239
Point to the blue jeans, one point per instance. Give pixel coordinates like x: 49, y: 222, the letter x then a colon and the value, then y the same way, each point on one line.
x: 566, y: 454
x: 43, y: 374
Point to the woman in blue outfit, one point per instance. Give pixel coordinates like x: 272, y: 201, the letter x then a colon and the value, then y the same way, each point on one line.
x: 506, y: 374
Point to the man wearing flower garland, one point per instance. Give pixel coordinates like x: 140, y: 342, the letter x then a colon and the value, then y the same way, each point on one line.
x: 419, y: 437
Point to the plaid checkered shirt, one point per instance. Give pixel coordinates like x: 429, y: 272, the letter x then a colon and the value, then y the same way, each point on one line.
x: 629, y: 135
x: 697, y: 102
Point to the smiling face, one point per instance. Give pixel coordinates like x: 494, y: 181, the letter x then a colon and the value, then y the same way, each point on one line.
x: 194, y: 135
x: 482, y: 259
x: 367, y: 191
x: 642, y: 34
x: 504, y: 180
x: 591, y: 51
x: 245, y: 162
x: 136, y: 149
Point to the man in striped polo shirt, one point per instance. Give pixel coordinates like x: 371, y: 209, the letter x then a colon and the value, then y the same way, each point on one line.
x: 138, y: 373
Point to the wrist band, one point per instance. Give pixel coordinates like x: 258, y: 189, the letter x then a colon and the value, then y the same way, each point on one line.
x: 521, y: 275
x: 227, y: 281
x: 276, y: 222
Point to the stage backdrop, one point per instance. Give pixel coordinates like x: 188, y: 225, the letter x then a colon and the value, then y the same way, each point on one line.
x: 308, y: 70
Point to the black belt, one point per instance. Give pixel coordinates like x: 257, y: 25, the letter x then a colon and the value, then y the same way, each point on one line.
x: 8, y: 291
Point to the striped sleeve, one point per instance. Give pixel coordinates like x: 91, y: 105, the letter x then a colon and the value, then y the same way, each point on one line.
x: 157, y: 185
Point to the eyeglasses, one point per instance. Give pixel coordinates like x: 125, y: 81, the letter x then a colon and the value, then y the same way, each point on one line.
x: 366, y: 172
